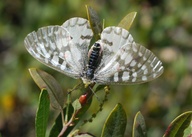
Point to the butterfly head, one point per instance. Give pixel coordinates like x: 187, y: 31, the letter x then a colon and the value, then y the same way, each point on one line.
x: 86, y: 81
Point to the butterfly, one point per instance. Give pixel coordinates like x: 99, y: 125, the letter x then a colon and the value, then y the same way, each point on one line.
x: 114, y: 59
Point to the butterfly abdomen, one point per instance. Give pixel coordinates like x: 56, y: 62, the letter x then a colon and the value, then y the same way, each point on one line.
x: 94, y: 59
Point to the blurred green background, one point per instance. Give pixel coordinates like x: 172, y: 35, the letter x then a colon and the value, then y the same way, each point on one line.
x: 163, y: 26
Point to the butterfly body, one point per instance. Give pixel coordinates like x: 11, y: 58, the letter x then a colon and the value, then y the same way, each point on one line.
x: 94, y: 59
x: 114, y: 59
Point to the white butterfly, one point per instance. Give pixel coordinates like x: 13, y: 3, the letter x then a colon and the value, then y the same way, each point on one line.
x: 114, y: 59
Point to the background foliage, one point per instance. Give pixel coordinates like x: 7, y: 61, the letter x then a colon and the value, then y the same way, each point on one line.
x: 163, y: 26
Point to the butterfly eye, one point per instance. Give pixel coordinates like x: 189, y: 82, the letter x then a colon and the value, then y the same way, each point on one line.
x: 97, y: 45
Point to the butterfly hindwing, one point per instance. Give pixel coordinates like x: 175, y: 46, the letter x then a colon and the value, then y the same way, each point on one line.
x: 131, y: 64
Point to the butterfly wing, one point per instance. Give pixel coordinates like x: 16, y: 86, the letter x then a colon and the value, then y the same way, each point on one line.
x: 131, y: 63
x: 112, y: 38
x: 55, y: 47
x: 79, y: 30
x: 81, y: 35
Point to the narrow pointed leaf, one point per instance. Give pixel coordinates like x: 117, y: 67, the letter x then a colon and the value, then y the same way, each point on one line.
x: 127, y: 21
x: 139, y: 127
x: 94, y: 21
x: 42, y: 114
x: 45, y: 80
x: 116, y: 123
x: 179, y: 124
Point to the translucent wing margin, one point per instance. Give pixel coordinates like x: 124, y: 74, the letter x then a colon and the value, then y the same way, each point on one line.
x: 131, y: 64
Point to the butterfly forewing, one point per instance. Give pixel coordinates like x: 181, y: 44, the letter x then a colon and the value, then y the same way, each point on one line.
x: 115, y: 37
x: 81, y: 35
x: 79, y: 30
x: 56, y: 47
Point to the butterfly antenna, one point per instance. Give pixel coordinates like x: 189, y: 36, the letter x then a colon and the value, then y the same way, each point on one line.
x: 76, y: 87
x: 106, y: 89
x: 95, y: 94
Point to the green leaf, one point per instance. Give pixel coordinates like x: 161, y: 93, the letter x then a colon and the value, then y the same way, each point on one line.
x: 116, y: 123
x: 179, y: 124
x: 42, y: 114
x: 45, y: 80
x: 127, y: 21
x: 94, y: 21
x: 139, y: 127
x: 57, y: 127
x: 76, y: 105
